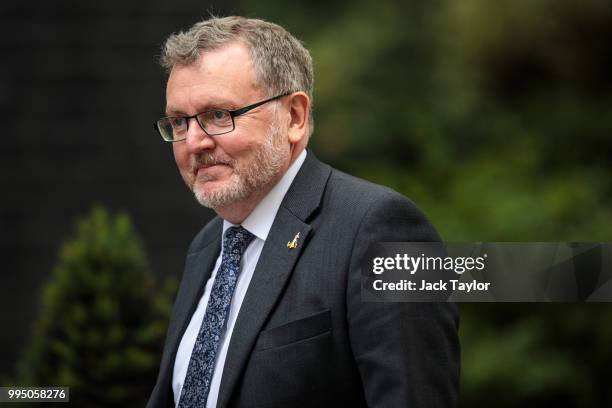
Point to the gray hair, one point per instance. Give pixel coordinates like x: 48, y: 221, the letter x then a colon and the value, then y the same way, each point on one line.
x: 282, y: 64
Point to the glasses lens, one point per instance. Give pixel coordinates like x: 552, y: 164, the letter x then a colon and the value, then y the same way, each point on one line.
x: 172, y: 129
x: 216, y: 122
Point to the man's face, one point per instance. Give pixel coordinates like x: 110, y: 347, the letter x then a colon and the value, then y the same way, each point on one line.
x: 226, y: 169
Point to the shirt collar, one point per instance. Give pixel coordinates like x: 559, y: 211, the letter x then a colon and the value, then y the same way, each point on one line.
x: 261, y: 218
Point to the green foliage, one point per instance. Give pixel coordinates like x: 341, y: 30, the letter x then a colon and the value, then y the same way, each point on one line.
x: 536, y: 354
x: 493, y: 116
x: 101, y: 328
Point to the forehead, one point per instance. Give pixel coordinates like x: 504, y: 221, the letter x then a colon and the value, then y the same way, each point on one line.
x: 222, y: 75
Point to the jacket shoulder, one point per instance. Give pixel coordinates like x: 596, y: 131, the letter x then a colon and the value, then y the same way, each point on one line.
x: 363, y: 193
x: 383, y: 211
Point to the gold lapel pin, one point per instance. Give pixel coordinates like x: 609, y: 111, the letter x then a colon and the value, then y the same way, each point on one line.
x: 293, y: 244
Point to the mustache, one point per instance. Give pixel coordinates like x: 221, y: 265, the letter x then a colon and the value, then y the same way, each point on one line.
x: 207, y: 159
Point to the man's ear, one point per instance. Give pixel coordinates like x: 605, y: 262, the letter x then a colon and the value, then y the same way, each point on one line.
x: 299, y: 111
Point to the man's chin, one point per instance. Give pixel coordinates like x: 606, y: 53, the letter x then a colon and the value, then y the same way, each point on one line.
x: 208, y: 200
x: 216, y: 196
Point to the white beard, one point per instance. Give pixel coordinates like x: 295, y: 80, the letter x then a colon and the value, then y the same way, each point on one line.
x: 264, y: 165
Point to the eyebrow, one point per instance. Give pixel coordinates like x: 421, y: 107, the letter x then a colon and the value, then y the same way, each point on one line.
x: 172, y: 111
x: 212, y: 104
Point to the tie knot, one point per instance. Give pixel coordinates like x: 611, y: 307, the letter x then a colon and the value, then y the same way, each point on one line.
x: 236, y: 240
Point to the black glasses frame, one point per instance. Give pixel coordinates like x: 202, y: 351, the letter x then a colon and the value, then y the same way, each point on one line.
x: 232, y: 113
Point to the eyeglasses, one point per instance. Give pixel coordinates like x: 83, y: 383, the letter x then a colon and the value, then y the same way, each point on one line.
x: 213, y: 122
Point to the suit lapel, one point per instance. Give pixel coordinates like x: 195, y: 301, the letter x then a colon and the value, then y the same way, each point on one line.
x: 198, y: 268
x: 274, y: 267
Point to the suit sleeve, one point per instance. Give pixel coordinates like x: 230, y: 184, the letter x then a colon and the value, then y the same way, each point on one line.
x: 407, y: 353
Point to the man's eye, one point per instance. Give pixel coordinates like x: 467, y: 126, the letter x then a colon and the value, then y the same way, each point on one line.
x: 220, y: 115
x: 178, y: 122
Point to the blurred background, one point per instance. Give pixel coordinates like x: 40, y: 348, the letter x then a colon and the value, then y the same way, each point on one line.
x: 494, y: 117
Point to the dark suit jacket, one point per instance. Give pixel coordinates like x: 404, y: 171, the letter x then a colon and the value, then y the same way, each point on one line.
x: 303, y: 338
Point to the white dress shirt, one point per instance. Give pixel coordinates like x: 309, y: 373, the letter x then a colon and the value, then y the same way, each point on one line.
x: 258, y: 223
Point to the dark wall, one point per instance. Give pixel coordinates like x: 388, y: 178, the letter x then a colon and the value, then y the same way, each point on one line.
x: 79, y: 90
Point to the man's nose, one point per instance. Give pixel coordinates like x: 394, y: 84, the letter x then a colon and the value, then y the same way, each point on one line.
x: 198, y: 140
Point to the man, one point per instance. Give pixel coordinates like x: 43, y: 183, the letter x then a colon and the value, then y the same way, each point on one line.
x: 268, y: 312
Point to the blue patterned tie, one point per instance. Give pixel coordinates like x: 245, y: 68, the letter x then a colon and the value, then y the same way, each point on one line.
x: 202, y: 363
